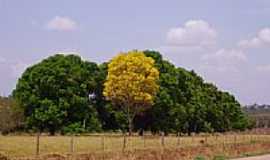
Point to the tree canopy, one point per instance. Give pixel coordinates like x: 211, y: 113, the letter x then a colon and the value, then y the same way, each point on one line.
x: 131, y: 83
x: 67, y: 94
x: 55, y: 94
x: 185, y: 103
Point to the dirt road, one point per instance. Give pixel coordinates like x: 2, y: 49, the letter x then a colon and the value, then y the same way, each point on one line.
x: 265, y: 157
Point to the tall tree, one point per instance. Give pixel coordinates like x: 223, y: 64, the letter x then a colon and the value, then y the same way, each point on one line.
x: 131, y: 83
x: 111, y: 117
x: 185, y: 103
x: 55, y: 94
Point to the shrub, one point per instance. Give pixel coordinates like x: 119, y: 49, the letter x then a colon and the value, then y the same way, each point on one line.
x: 200, y: 158
x: 219, y: 158
x: 73, y: 129
x: 11, y: 118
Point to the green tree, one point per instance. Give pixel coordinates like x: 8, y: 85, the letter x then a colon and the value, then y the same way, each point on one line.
x: 11, y: 116
x: 55, y: 93
x: 112, y: 118
x: 185, y: 103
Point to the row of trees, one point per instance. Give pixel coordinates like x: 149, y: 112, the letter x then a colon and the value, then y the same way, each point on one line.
x: 260, y: 114
x: 67, y: 94
x: 11, y: 116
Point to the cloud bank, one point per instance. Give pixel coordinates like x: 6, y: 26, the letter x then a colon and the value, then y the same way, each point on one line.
x: 262, y: 39
x: 193, y: 33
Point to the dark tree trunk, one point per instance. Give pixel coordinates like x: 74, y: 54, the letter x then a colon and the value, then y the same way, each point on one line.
x: 52, y: 131
x: 189, y: 133
x: 141, y: 132
x: 130, y: 127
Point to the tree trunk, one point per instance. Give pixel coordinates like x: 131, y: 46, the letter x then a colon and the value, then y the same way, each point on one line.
x: 130, y: 119
x: 130, y: 127
x: 52, y: 131
x: 141, y: 132
x: 189, y: 133
x: 37, y: 143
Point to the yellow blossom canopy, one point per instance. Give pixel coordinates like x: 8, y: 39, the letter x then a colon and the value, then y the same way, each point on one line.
x: 132, y: 79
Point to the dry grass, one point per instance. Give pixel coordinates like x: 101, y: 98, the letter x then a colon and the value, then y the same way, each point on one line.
x: 137, y: 147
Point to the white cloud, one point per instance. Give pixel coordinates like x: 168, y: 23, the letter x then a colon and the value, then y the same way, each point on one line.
x: 193, y: 33
x: 252, y: 43
x: 264, y: 35
x: 263, y: 68
x: 62, y: 24
x: 224, y: 59
x: 226, y: 54
x: 260, y: 40
x: 197, y: 36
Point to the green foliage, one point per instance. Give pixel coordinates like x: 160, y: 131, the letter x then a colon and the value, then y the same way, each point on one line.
x: 73, y: 128
x: 11, y: 116
x: 112, y: 118
x: 54, y: 96
x: 219, y: 158
x: 199, y: 158
x: 187, y: 104
x: 184, y: 103
x: 55, y: 93
x: 260, y: 115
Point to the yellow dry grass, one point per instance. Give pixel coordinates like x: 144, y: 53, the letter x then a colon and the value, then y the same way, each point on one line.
x: 20, y: 146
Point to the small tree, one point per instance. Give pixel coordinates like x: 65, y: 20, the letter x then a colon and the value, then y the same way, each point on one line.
x: 131, y: 83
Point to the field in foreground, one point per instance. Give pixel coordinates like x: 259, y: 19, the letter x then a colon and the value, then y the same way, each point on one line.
x: 143, y: 148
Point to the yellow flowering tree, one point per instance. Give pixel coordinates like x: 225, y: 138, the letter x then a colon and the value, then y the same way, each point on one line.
x: 131, y: 83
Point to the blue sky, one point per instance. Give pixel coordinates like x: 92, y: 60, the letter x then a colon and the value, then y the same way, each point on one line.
x: 227, y: 42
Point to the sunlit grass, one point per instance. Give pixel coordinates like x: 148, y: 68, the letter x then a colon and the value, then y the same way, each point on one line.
x: 16, y: 146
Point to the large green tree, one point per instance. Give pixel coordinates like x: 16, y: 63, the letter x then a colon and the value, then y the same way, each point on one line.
x: 185, y: 103
x: 56, y: 94
x: 112, y: 118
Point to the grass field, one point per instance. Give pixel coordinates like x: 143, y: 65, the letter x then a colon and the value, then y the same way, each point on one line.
x: 25, y: 146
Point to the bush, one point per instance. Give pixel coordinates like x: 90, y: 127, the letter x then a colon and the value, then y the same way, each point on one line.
x: 73, y: 129
x: 200, y: 158
x: 219, y: 158
x: 11, y: 118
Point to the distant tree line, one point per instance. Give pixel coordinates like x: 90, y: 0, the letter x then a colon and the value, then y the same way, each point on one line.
x: 65, y: 94
x: 259, y: 114
x: 11, y: 116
